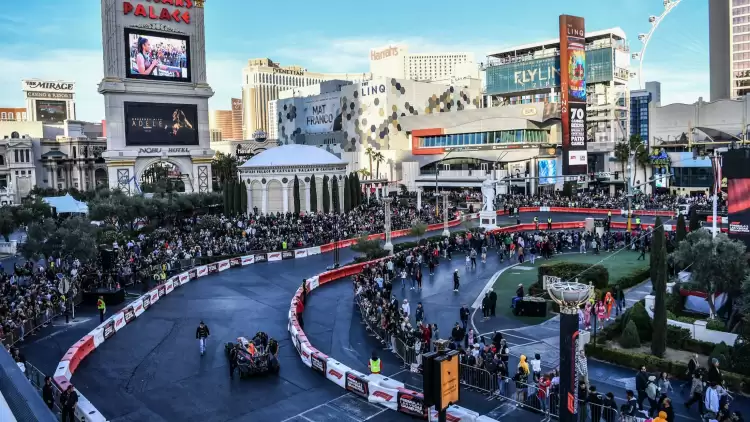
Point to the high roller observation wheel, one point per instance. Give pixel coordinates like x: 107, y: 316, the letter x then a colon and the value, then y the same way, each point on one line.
x: 669, y: 5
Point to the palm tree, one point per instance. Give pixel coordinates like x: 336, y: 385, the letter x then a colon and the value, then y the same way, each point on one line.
x: 635, y: 147
x: 224, y: 166
x: 379, y: 158
x: 369, y: 152
x: 364, y: 172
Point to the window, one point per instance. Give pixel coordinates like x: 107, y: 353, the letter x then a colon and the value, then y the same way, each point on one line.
x: 16, y: 154
x: 3, y: 115
x: 75, y: 154
x: 28, y: 158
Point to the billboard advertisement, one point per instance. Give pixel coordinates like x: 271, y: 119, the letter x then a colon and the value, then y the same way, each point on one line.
x: 573, y: 92
x: 322, y: 113
x: 50, y: 111
x: 150, y: 124
x: 735, y: 169
x: 547, y: 171
x: 157, y: 56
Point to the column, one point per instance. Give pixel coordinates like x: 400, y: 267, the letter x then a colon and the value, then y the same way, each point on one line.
x: 54, y: 176
x: 419, y: 199
x: 446, y: 231
x: 368, y: 193
x: 533, y: 172
x: 264, y: 207
x: 81, y: 181
x: 307, y: 196
x: 285, y: 198
x: 249, y: 197
x: 387, y: 210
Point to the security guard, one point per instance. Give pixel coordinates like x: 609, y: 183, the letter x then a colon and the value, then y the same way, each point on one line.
x: 102, y: 307
x: 536, y: 222
x: 374, y: 364
x: 638, y: 222
x: 549, y: 223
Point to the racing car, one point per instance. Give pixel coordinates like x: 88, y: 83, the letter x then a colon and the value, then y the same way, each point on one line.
x: 258, y: 356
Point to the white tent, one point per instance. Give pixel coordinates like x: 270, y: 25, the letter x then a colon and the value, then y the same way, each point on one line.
x: 67, y: 204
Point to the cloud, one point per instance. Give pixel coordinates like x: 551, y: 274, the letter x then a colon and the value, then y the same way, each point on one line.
x: 678, y: 84
x: 85, y: 68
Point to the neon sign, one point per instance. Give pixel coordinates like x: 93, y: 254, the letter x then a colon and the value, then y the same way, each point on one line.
x: 165, y: 14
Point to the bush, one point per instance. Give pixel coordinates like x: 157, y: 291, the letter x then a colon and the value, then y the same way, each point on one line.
x: 630, y: 338
x: 642, y: 321
x: 696, y: 346
x: 722, y: 352
x: 716, y: 324
x: 633, y: 279
x: 735, y: 382
x: 676, y: 336
x: 586, y: 273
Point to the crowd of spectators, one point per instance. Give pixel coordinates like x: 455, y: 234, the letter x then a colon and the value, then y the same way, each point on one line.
x: 594, y: 200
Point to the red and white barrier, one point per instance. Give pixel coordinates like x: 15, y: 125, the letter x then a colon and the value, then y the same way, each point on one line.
x: 384, y: 391
x: 459, y: 414
x: 224, y: 265
x: 337, y: 372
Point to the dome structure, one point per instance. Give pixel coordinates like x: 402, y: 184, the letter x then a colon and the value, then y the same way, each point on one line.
x: 270, y: 176
x: 293, y: 155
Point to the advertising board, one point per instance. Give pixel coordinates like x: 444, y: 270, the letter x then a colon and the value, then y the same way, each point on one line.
x: 547, y: 171
x: 51, y: 111
x: 157, y: 56
x: 734, y: 167
x: 148, y: 124
x: 573, y: 91
x: 322, y: 113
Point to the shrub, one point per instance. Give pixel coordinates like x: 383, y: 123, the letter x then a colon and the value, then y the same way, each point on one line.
x: 676, y: 336
x: 585, y: 273
x: 716, y: 324
x: 696, y: 346
x: 642, y: 321
x: 630, y: 338
x: 722, y: 352
x: 633, y: 279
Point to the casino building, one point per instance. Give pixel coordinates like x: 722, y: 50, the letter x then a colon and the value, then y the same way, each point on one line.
x: 530, y: 73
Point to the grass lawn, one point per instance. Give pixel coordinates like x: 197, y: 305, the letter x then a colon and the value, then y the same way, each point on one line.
x: 618, y: 265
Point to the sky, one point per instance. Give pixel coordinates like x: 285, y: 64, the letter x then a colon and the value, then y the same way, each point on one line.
x: 62, y: 40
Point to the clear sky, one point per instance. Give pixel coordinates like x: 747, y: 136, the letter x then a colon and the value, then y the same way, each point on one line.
x: 62, y: 39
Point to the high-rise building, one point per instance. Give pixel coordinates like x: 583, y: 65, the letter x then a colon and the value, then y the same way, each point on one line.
x: 227, y: 124
x: 394, y: 61
x: 13, y: 114
x: 263, y: 79
x: 237, y: 118
x: 729, y: 48
x: 640, y: 109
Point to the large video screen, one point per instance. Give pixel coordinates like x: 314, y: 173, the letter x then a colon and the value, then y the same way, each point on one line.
x: 547, y: 171
x: 161, y: 124
x: 735, y: 168
x: 157, y: 56
x: 51, y: 111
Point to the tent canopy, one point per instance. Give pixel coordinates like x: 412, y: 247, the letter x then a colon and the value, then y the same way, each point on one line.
x: 67, y: 204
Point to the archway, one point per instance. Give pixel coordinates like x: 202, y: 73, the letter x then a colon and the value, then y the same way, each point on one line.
x: 161, y: 177
x: 275, y: 197
x: 256, y: 190
x: 100, y: 178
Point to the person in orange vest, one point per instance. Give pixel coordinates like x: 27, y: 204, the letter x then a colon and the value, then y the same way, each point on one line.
x: 102, y: 307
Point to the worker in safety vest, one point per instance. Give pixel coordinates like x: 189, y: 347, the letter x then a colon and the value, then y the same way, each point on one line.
x: 549, y: 223
x: 638, y: 222
x: 536, y: 222
x: 374, y: 364
x: 102, y: 307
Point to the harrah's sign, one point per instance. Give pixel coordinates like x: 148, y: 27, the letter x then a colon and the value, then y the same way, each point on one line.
x: 382, y: 54
x: 162, y: 13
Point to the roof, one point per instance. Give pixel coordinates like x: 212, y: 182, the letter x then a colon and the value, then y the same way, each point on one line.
x: 293, y: 155
x: 67, y: 204
x: 53, y: 154
x: 617, y: 32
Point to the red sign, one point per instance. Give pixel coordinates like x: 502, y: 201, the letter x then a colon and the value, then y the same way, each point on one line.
x: 165, y: 14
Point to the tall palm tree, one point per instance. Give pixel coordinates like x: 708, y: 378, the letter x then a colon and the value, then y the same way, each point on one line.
x: 369, y: 152
x: 364, y: 172
x: 224, y: 166
x: 379, y: 158
x: 635, y: 147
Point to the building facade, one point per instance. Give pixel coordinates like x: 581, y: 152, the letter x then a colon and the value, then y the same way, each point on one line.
x: 13, y: 114
x: 729, y: 52
x: 395, y: 61
x: 530, y: 74
x: 639, y: 107
x: 264, y: 79
x: 227, y: 124
x: 364, y: 119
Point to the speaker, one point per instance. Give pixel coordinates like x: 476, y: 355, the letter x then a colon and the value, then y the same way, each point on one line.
x: 108, y: 258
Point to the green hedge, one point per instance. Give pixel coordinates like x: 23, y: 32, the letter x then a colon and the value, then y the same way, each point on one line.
x: 634, y: 360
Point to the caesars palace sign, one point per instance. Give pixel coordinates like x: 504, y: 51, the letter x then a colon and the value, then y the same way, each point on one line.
x: 159, y: 10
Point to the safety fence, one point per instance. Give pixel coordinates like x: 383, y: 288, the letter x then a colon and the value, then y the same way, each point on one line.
x: 32, y: 325
x: 409, y: 352
x: 36, y: 378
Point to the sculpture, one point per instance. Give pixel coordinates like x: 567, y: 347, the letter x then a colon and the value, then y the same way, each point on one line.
x: 488, y: 194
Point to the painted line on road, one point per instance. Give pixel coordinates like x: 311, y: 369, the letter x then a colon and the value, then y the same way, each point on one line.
x: 302, y: 414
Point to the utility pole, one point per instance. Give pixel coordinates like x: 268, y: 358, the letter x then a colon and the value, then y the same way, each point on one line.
x: 716, y: 164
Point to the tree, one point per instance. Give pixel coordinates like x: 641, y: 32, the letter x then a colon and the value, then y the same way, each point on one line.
x: 7, y: 223
x: 326, y: 196
x: 695, y: 223
x: 225, y: 197
x: 224, y: 167
x: 243, y: 197
x: 681, y: 229
x: 659, y: 281
x: 630, y: 338
x: 295, y: 195
x: 230, y: 197
x: 335, y: 198
x: 238, y: 197
x: 75, y: 237
x: 370, y: 153
x: 347, y: 194
x: 313, y: 194
x: 378, y: 158
x: 716, y: 265
x: 418, y: 229
x: 356, y: 190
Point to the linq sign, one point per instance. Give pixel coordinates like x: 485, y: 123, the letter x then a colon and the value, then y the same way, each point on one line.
x: 164, y: 15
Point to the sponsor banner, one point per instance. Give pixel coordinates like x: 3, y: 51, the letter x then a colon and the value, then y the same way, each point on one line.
x: 224, y: 265
x: 411, y: 404
x: 385, y: 396
x: 109, y: 329
x: 154, y: 296
x: 318, y: 363
x: 213, y: 268
x: 175, y: 281
x: 305, y: 351
x: 272, y: 256
x: 168, y: 287
x: 146, y: 301
x: 314, y: 250
x: 313, y: 283
x: 138, y: 307
x: 184, y: 278
x: 357, y: 384
x: 235, y: 262
x: 543, y: 209
x: 287, y: 255
x: 248, y: 259
x: 119, y: 321
x: 260, y: 257
x: 202, y: 270
x: 300, y: 253
x: 161, y: 290
x: 193, y: 274
x: 336, y: 372
x: 128, y: 314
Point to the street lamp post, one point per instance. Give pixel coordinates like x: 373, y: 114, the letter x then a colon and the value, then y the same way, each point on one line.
x: 387, y: 209
x: 446, y: 232
x: 437, y: 172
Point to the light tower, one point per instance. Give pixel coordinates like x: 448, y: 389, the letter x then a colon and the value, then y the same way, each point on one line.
x: 644, y: 38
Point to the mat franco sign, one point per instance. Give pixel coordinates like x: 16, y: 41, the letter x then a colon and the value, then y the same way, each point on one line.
x: 177, y: 13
